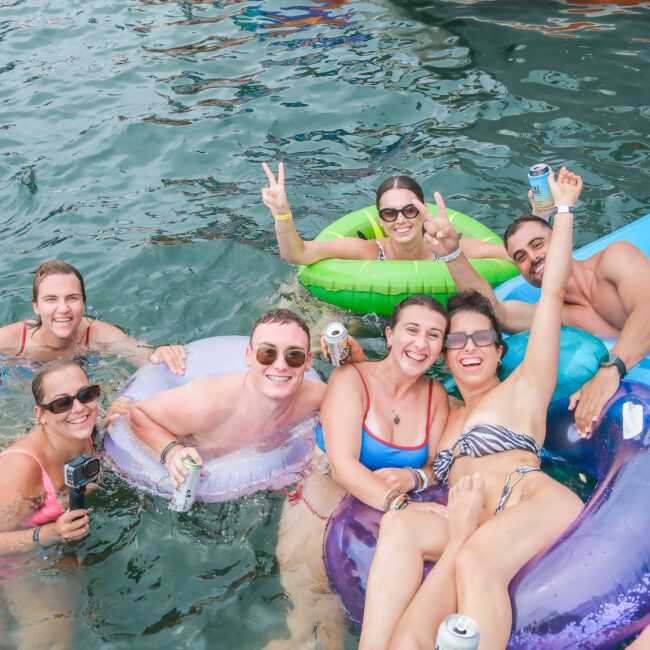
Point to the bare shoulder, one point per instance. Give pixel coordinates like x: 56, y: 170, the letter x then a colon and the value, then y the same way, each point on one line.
x: 20, y: 476
x: 313, y: 391
x: 621, y: 257
x: 101, y: 332
x: 11, y: 336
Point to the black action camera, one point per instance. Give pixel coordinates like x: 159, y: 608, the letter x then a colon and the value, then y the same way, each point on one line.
x: 77, y: 473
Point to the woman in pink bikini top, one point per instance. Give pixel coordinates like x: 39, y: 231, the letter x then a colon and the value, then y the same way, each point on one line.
x: 33, y: 496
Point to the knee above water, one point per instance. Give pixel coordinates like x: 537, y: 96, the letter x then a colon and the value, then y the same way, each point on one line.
x: 473, y: 566
x: 395, y: 528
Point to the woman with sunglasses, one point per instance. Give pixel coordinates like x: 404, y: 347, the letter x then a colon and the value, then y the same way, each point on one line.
x: 502, y: 509
x: 381, y: 423
x: 401, y: 219
x: 33, y: 495
x: 61, y: 328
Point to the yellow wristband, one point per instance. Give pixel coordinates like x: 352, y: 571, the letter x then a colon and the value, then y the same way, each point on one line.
x: 283, y: 217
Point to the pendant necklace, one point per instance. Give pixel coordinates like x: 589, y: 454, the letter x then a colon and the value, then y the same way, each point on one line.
x: 396, y: 419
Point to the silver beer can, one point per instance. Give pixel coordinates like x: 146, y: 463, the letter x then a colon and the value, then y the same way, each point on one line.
x: 457, y: 632
x: 336, y: 338
x: 184, y: 495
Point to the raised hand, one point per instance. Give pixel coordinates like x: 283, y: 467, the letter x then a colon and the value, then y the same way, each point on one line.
x: 273, y: 195
x: 566, y: 189
x: 440, y: 236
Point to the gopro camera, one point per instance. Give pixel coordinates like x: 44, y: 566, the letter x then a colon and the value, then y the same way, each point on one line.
x: 77, y: 473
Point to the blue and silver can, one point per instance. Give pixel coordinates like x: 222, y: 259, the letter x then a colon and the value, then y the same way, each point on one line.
x: 538, y: 179
x: 457, y: 632
x: 184, y: 495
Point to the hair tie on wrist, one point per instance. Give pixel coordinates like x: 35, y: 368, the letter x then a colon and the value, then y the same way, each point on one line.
x: 283, y: 217
x: 167, y: 449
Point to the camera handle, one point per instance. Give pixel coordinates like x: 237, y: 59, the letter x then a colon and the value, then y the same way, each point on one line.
x: 77, y: 498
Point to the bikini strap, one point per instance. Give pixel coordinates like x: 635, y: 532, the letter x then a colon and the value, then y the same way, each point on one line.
x: 90, y: 324
x: 365, y: 387
x: 47, y: 482
x: 382, y: 253
x: 24, y: 339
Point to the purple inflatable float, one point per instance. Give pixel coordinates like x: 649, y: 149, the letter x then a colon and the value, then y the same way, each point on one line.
x: 283, y: 461
x: 591, y: 589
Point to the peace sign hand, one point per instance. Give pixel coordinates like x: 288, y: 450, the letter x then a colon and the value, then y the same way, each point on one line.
x: 273, y: 195
x: 440, y: 236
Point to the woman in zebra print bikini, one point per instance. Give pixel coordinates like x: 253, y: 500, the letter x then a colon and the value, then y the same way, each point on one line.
x: 502, y: 509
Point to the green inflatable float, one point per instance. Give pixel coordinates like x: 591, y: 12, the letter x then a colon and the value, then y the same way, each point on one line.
x: 371, y: 286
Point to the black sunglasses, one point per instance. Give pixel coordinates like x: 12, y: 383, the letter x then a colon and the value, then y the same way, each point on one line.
x: 481, y: 339
x: 267, y: 356
x: 85, y: 395
x: 390, y: 214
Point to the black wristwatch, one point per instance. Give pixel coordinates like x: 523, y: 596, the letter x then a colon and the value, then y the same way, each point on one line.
x: 613, y: 360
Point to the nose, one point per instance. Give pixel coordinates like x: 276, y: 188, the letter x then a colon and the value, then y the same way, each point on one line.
x: 280, y: 362
x: 469, y: 344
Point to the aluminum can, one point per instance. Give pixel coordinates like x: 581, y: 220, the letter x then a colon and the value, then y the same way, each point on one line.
x: 457, y: 632
x: 184, y: 495
x: 336, y: 338
x: 538, y: 179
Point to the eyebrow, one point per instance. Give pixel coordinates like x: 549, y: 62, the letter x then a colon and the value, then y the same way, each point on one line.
x: 430, y: 329
x: 274, y: 345
x: 67, y: 295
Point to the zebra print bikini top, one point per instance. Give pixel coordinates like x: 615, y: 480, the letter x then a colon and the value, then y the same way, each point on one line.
x: 482, y: 440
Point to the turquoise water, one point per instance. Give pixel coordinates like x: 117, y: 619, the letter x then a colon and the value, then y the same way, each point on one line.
x: 131, y: 143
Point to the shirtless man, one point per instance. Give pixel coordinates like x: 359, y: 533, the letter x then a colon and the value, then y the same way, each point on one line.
x: 607, y: 294
x: 228, y: 412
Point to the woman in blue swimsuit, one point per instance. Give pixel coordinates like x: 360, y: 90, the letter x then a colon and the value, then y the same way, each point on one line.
x: 381, y: 423
x: 502, y: 510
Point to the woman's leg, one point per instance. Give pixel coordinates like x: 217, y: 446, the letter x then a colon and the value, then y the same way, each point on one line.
x: 642, y: 641
x: 500, y: 547
x: 316, y: 619
x: 436, y: 598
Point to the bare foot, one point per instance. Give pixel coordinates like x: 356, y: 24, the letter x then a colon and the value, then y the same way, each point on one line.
x: 465, y: 503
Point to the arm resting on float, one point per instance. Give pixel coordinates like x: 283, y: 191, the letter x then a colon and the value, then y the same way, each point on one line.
x: 477, y: 249
x: 342, y: 415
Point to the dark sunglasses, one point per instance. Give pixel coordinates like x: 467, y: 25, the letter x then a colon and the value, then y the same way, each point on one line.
x: 85, y: 395
x: 481, y: 339
x: 267, y: 356
x: 390, y: 214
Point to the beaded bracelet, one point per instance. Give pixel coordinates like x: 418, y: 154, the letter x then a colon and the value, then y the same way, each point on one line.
x: 283, y: 217
x: 400, y: 502
x: 167, y: 449
x: 389, y: 497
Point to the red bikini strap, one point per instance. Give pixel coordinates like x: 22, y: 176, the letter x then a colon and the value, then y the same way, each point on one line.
x: 24, y: 339
x: 365, y: 386
x: 90, y: 324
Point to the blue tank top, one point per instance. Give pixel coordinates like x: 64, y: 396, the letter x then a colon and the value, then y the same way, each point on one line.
x: 376, y: 453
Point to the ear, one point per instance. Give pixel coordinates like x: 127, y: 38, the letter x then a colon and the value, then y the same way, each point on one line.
x: 35, y: 307
x: 249, y: 356
x: 389, y: 337
x: 39, y: 413
x: 307, y: 365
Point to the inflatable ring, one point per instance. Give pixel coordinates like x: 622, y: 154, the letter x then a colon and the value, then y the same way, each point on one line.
x: 371, y: 286
x: 591, y: 589
x: 227, y: 477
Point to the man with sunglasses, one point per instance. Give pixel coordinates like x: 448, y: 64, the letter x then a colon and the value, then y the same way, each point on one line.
x: 606, y: 294
x: 230, y: 412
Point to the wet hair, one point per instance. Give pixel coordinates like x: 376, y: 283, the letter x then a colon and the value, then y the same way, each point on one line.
x: 282, y: 317
x: 47, y: 369
x: 53, y: 267
x: 476, y: 303
x: 399, y: 183
x: 519, y: 222
x: 422, y: 300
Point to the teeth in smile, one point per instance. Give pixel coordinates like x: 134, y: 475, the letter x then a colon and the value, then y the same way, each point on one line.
x: 62, y: 320
x: 402, y: 230
x: 416, y: 357
x: 277, y: 378
x: 470, y: 362
x: 79, y: 420
x: 538, y: 267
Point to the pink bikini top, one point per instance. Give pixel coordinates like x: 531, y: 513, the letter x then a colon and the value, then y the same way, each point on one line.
x: 52, y: 509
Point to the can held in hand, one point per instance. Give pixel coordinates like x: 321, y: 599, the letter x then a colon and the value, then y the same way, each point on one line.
x: 184, y: 495
x: 457, y: 632
x: 336, y: 338
x: 538, y: 179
